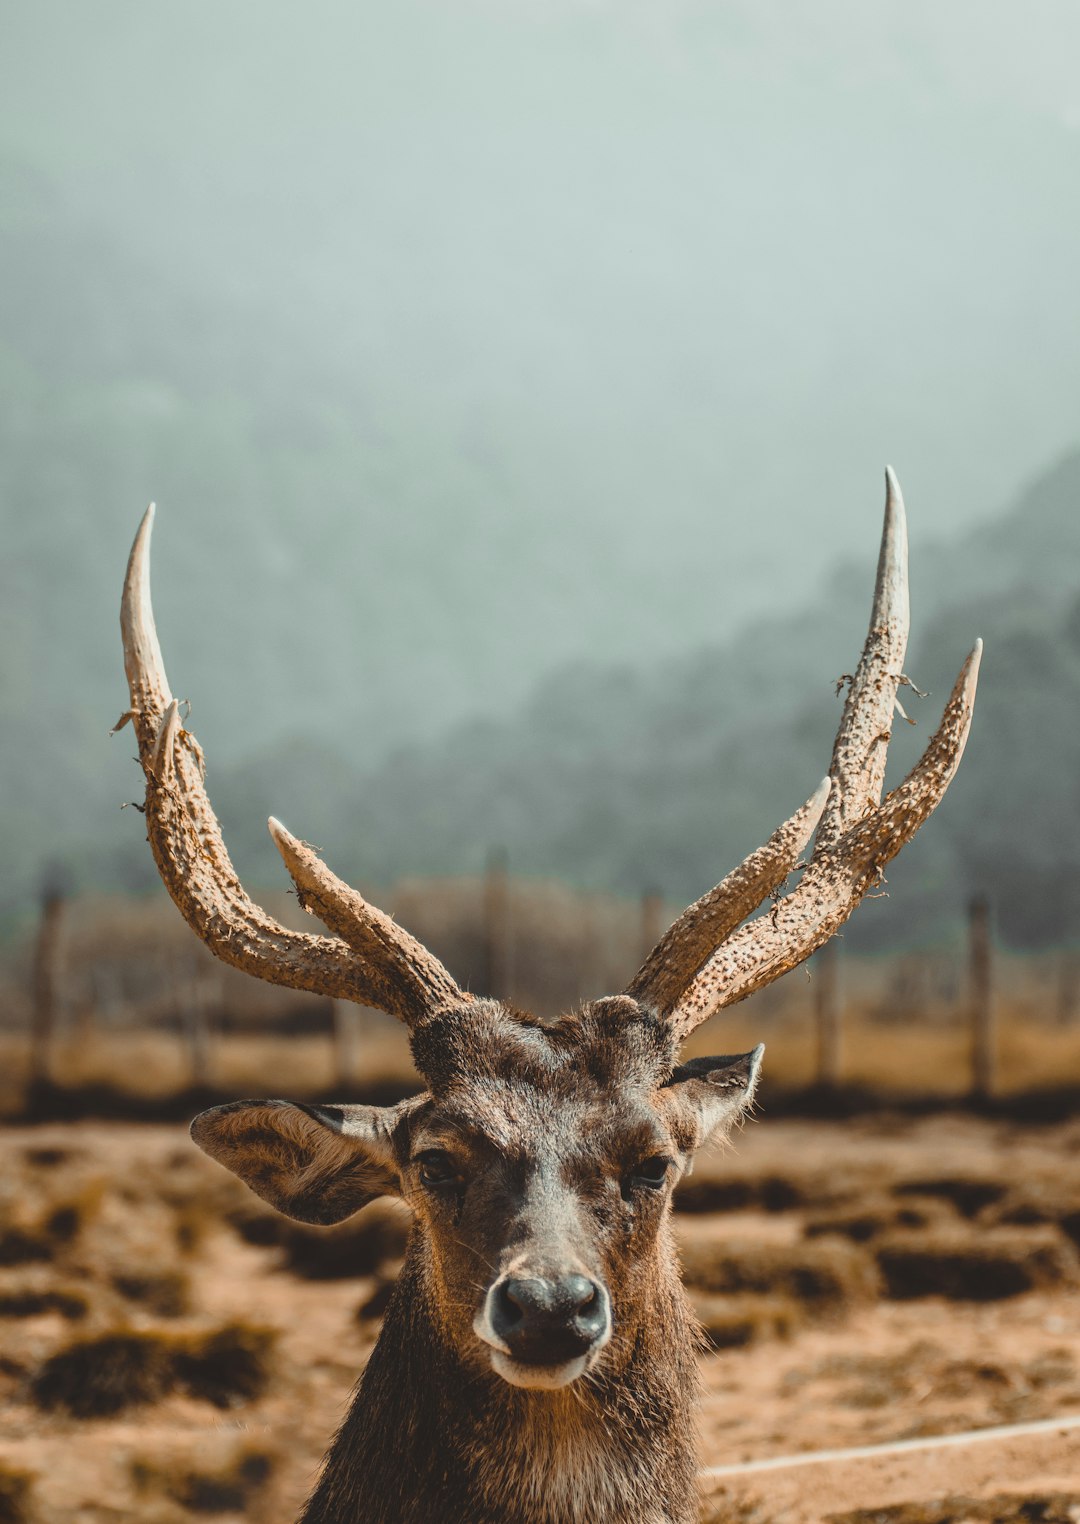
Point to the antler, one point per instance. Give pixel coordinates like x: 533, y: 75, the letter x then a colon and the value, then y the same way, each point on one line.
x: 703, y: 963
x: 375, y: 962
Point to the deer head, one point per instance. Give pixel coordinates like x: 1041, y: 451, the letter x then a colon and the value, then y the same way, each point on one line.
x: 541, y: 1159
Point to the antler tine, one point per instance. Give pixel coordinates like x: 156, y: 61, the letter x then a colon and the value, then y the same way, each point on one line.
x: 862, y: 738
x: 143, y: 665
x: 839, y: 875
x: 394, y: 958
x: 685, y: 946
x: 187, y: 844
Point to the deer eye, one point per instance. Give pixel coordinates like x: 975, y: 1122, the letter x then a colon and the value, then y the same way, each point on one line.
x: 650, y: 1172
x: 437, y: 1167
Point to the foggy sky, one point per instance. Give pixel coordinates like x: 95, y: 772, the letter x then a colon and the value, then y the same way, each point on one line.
x: 673, y: 281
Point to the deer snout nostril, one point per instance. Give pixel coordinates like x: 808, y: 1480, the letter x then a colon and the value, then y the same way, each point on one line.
x: 592, y: 1313
x: 544, y: 1321
x: 507, y: 1307
x: 580, y: 1292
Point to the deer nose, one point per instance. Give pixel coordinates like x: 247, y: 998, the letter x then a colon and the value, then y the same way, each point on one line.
x: 544, y: 1321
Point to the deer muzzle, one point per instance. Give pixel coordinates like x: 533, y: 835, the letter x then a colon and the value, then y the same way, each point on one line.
x: 543, y: 1330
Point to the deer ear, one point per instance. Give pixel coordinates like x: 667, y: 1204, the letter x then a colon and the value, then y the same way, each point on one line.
x: 315, y: 1163
x: 711, y: 1093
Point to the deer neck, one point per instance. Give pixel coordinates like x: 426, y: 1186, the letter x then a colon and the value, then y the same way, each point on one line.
x: 430, y: 1436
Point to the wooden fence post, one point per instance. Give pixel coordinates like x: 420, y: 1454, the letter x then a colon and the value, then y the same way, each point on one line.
x: 195, y: 989
x: 828, y: 1015
x: 983, y: 1025
x: 48, y: 954
x: 652, y: 922
x: 498, y: 969
x: 347, y: 1020
x: 1068, y: 988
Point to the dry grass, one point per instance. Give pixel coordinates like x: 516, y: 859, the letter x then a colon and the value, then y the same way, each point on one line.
x: 16, y: 1495
x: 156, y: 1065
x: 925, y: 1372
x: 99, y: 1376
x: 1056, y: 1199
x: 1002, y: 1508
x: 360, y: 1246
x: 868, y: 1218
x: 122, y: 1203
x: 980, y: 1265
x: 95, y: 1378
x: 968, y: 1193
x: 822, y: 1277
x: 927, y: 1055
x: 733, y: 1322
x: 920, y: 1060
x: 29, y: 1300
x: 165, y: 1293
x: 233, y: 1485
x: 131, y: 969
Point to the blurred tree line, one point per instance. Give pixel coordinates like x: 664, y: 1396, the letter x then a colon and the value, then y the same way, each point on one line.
x: 621, y: 779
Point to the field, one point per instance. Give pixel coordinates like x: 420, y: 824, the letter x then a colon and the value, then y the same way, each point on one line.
x: 171, y: 1351
x: 874, y: 1263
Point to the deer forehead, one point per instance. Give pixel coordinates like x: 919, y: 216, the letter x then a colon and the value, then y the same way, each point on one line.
x: 531, y: 1124
x: 607, y: 1045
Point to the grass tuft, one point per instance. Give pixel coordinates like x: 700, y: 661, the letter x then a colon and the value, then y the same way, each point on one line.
x: 232, y: 1487
x: 97, y: 1377
x: 167, y: 1293
x: 823, y: 1276
x: 984, y: 1265
x: 359, y: 1246
x: 1004, y: 1508
x: 16, y: 1495
x: 969, y: 1194
x: 32, y: 1301
x: 867, y: 1220
x: 735, y: 1322
x: 230, y: 1366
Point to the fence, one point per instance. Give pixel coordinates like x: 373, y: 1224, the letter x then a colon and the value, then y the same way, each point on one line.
x: 98, y: 970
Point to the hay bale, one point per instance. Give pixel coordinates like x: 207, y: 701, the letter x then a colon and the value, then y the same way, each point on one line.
x: 867, y: 1220
x: 1036, y: 1201
x: 975, y: 1266
x: 736, y: 1195
x: 23, y: 1245
x: 27, y: 1301
x: 969, y: 1194
x: 357, y: 1247
x: 823, y: 1275
x: 734, y: 1322
x: 16, y: 1495
x: 97, y: 1377
x: 231, y: 1487
x: 771, y: 1193
x: 49, y: 1156
x: 164, y: 1292
x: 226, y: 1367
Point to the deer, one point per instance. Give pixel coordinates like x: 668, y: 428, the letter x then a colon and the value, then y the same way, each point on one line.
x: 537, y: 1360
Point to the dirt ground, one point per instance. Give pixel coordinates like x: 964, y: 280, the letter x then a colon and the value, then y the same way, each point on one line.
x: 861, y: 1282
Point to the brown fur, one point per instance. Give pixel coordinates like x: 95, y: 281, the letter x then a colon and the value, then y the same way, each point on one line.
x: 544, y: 1127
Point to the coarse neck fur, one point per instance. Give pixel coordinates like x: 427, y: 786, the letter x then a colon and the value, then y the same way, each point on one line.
x: 433, y: 1439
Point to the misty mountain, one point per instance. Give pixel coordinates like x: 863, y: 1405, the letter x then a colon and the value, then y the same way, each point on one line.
x: 627, y: 781
x: 458, y: 343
